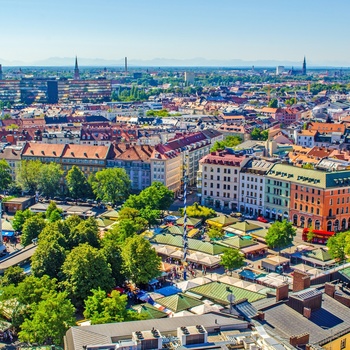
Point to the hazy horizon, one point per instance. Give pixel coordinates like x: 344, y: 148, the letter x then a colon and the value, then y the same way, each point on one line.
x: 249, y: 30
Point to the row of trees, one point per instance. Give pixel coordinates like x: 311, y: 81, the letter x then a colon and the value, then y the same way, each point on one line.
x: 109, y: 185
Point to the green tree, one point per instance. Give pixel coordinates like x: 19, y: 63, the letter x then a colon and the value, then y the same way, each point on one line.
x: 261, y: 135
x: 85, y: 232
x: 13, y: 275
x: 31, y: 229
x: 308, y: 166
x: 128, y: 228
x: 50, y: 176
x: 339, y: 246
x: 49, y: 321
x: 229, y: 141
x: 140, y: 261
x: 53, y: 213
x: 215, y: 233
x: 50, y: 253
x: 232, y: 259
x: 273, y: 103
x: 111, y: 185
x: 280, y: 234
x: 199, y: 211
x: 84, y: 269
x: 27, y: 175
x: 99, y: 308
x: 5, y: 175
x: 77, y: 183
x: 20, y: 217
x: 111, y: 248
x: 155, y: 197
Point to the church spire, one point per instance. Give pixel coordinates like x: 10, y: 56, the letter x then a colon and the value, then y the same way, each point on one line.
x: 76, y: 69
x: 304, y: 67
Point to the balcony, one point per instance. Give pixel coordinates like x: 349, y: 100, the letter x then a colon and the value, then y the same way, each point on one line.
x: 331, y: 217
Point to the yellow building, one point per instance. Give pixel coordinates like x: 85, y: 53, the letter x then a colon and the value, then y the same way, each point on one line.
x: 341, y: 343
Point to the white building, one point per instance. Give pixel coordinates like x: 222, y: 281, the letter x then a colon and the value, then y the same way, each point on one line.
x: 218, y: 179
x: 305, y: 138
x: 252, y: 186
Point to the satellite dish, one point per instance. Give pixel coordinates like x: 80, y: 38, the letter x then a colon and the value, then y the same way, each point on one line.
x: 231, y: 298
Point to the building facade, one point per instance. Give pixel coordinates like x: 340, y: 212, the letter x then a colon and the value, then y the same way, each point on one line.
x: 252, y: 187
x: 277, y: 193
x: 218, y: 180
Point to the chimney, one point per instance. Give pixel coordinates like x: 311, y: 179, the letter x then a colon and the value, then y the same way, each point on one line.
x: 301, y: 339
x: 329, y: 289
x: 307, y: 312
x: 301, y: 281
x: 282, y: 292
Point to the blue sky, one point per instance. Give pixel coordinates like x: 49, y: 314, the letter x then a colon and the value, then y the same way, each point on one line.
x: 250, y: 30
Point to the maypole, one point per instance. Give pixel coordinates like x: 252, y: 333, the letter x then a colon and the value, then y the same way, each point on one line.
x: 184, y: 237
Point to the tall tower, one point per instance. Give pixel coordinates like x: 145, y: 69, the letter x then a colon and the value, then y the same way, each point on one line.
x: 76, y: 69
x: 2, y: 245
x: 304, y: 67
x: 126, y: 64
x: 0, y: 72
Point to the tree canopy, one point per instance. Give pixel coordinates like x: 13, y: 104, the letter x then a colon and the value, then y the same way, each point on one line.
x: 31, y: 229
x: 140, y: 261
x: 155, y: 197
x: 84, y: 269
x: 49, y: 320
x: 339, y: 246
x: 229, y: 141
x: 280, y: 234
x: 100, y: 308
x: 27, y: 175
x: 232, y: 259
x: 20, y: 218
x: 111, y: 185
x: 49, y: 179
x: 199, y: 211
x: 77, y: 183
x: 5, y: 175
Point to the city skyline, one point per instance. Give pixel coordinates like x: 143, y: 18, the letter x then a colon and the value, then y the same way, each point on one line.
x: 231, y: 31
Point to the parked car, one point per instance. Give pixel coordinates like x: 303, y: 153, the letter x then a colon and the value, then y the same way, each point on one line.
x: 249, y: 216
x: 262, y: 219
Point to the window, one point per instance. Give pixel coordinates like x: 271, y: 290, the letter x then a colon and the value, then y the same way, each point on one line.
x: 205, y: 192
x: 318, y: 211
x: 217, y: 185
x: 301, y: 207
x: 211, y: 177
x: 242, y: 176
x: 218, y: 178
x: 218, y: 170
x: 295, y: 206
x: 343, y: 344
x: 218, y: 194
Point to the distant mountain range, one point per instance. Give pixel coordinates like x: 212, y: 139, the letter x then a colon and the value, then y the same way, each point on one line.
x: 168, y: 62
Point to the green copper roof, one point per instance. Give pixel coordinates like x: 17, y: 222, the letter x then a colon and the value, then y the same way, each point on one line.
x: 218, y: 292
x: 319, y: 254
x: 193, y: 244
x: 238, y: 242
x: 179, y: 302
x: 309, y: 177
x: 222, y: 220
x: 245, y: 226
x: 149, y: 310
x: 190, y: 221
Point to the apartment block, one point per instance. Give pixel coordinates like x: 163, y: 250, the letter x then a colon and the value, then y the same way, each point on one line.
x: 218, y: 179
